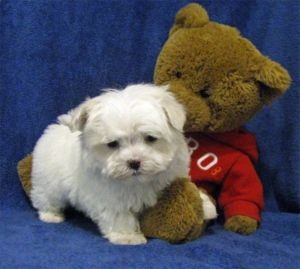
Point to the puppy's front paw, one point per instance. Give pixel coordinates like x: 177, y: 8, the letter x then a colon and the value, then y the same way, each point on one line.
x: 51, y: 217
x: 126, y: 238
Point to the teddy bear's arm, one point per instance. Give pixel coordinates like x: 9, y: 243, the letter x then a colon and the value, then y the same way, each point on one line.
x: 177, y: 216
x: 241, y: 224
x: 242, y: 192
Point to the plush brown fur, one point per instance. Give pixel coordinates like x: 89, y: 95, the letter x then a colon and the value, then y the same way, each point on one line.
x: 241, y: 224
x: 24, y: 171
x: 223, y: 81
x: 177, y: 216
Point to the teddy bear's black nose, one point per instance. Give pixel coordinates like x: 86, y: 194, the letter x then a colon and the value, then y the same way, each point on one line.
x: 204, y: 93
x: 134, y: 164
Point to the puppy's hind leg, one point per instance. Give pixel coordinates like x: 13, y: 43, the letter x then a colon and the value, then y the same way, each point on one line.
x: 50, y: 207
x: 51, y: 216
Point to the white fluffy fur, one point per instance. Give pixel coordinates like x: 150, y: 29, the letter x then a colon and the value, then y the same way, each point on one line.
x: 73, y: 165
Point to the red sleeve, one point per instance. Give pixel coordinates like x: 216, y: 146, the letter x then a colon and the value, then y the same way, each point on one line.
x: 242, y: 192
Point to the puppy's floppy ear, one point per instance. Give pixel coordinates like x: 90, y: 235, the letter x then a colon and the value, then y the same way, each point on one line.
x: 274, y: 80
x: 80, y: 120
x: 80, y: 115
x: 191, y: 16
x: 175, y: 112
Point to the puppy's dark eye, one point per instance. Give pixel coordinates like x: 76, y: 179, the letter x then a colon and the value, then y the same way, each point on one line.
x: 150, y: 138
x: 113, y: 144
x: 204, y: 93
x: 178, y: 74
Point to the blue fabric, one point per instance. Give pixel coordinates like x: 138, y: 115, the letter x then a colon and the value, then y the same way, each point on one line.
x: 29, y: 243
x: 55, y: 53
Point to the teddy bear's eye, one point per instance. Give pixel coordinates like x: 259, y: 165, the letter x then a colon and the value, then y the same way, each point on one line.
x: 178, y: 74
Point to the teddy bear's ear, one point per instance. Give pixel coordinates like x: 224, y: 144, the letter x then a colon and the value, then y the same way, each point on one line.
x: 274, y: 80
x: 191, y: 16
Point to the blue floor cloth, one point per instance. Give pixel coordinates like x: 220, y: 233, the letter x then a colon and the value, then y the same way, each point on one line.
x: 26, y: 242
x: 54, y: 53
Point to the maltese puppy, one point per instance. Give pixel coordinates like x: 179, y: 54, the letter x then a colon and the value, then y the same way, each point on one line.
x: 110, y: 158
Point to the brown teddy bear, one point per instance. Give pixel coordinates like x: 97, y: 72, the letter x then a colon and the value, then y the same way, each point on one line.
x: 222, y: 80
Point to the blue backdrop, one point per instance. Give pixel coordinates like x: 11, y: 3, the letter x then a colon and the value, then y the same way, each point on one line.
x: 55, y: 53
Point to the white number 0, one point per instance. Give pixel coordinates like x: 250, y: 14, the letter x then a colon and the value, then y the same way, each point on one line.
x: 210, y: 164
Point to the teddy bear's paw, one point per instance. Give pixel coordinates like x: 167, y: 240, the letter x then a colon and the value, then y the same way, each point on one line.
x: 196, y: 231
x: 126, y: 238
x: 209, y: 208
x: 241, y: 224
x: 51, y: 217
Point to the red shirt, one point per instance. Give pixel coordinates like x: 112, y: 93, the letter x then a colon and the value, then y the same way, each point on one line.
x: 227, y: 160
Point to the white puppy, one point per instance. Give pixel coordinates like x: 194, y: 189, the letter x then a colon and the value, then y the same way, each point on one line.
x: 110, y: 158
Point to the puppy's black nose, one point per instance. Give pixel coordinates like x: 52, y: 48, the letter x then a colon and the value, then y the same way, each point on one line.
x: 134, y: 164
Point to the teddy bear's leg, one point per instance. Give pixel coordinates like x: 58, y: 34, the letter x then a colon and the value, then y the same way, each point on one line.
x: 24, y: 171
